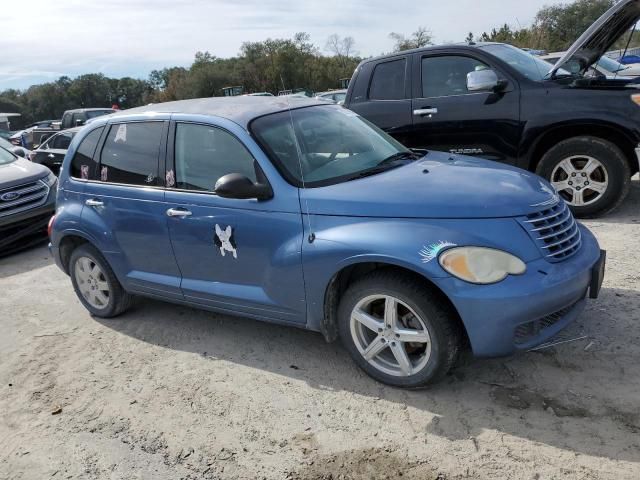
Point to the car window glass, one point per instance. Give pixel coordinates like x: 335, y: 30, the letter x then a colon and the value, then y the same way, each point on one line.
x: 447, y: 75
x: 83, y: 165
x: 61, y: 141
x: 320, y: 145
x: 130, y: 153
x: 387, y: 82
x: 204, y: 153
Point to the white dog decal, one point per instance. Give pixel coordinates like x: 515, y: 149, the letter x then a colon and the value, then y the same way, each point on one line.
x: 225, y: 242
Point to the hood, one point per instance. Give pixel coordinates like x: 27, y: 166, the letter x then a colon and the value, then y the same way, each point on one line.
x: 438, y: 186
x: 601, y: 35
x: 21, y: 171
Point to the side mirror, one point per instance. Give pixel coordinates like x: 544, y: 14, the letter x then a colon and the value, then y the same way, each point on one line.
x: 484, y: 80
x: 236, y: 185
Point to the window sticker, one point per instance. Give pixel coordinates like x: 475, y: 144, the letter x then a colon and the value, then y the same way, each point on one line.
x: 170, y: 178
x: 225, y: 242
x: 104, y: 174
x: 429, y: 252
x: 151, y: 178
x: 84, y: 172
x: 121, y: 134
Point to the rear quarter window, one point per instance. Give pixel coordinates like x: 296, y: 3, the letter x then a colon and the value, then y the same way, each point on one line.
x: 83, y: 165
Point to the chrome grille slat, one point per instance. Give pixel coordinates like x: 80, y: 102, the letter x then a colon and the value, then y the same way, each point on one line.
x: 574, y: 244
x: 554, y: 231
x: 31, y: 195
x: 557, y: 233
x: 20, y: 201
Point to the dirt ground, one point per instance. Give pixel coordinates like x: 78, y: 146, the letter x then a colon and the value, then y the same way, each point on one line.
x: 169, y: 392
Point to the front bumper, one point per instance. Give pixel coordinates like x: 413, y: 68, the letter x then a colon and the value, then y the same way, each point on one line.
x: 28, y: 228
x: 524, y: 311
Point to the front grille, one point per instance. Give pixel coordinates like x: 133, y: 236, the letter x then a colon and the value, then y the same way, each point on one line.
x: 555, y: 231
x: 527, y: 331
x: 23, y: 197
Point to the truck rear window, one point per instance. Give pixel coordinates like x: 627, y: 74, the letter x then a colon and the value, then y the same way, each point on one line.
x: 387, y: 81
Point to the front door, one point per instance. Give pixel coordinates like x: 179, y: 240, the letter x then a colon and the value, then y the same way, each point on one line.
x: 447, y: 117
x: 237, y: 256
x: 124, y: 207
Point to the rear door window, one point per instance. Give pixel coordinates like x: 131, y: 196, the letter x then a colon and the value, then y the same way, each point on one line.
x: 204, y: 154
x: 445, y: 76
x: 61, y: 141
x: 83, y: 165
x: 131, y: 152
x: 388, y: 81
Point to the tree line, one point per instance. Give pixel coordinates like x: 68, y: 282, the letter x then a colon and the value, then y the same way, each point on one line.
x: 273, y: 65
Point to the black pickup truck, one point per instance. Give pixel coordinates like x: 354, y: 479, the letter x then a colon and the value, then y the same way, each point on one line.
x: 496, y: 101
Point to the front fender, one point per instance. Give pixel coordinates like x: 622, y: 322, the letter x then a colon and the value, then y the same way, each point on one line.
x: 412, y: 244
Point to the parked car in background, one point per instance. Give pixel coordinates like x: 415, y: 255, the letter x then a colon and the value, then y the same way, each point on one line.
x: 51, y: 153
x: 496, y: 101
x: 45, y: 124
x: 27, y: 202
x: 604, y: 66
x: 334, y: 96
x: 78, y: 117
x: 19, y: 151
x: 302, y: 213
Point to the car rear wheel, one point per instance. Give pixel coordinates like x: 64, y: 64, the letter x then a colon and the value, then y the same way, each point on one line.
x: 95, y: 283
x: 397, y: 330
x: 591, y: 174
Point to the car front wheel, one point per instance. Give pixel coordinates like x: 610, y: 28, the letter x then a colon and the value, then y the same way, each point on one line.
x: 397, y: 330
x: 591, y: 174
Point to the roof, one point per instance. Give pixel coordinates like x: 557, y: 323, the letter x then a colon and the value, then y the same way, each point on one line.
x: 240, y: 110
x: 96, y: 109
x: 432, y: 47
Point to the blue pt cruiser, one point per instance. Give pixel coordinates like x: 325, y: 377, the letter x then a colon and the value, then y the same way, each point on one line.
x: 302, y: 213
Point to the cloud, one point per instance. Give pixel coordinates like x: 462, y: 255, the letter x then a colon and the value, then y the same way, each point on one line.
x: 132, y: 37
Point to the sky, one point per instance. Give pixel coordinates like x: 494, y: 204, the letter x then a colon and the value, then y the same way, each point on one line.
x: 41, y: 40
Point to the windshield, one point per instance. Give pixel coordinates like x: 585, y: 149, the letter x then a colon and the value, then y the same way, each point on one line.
x: 6, y: 156
x: 335, y: 145
x: 532, y: 67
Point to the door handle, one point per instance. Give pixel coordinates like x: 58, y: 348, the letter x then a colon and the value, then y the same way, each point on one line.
x: 178, y: 212
x: 51, y: 155
x: 425, y: 111
x: 92, y: 202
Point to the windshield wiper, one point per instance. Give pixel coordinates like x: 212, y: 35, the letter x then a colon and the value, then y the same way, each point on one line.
x: 399, y: 156
x: 388, y: 163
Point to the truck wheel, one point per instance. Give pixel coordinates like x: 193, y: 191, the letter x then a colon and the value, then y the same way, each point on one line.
x: 399, y: 332
x: 95, y: 283
x: 591, y: 174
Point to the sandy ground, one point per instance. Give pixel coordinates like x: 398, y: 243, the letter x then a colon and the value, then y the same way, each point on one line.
x: 170, y: 392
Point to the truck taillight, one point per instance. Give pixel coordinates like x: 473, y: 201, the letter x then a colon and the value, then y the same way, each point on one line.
x: 50, y: 226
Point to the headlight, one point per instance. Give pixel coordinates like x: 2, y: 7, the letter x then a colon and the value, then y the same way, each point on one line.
x: 480, y: 265
x: 51, y: 179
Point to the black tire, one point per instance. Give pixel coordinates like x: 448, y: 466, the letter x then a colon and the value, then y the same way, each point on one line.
x: 611, y: 158
x: 441, y: 322
x: 118, y: 300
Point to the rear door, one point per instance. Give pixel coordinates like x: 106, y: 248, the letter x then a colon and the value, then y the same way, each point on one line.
x: 125, y: 210
x: 52, y: 153
x: 382, y: 95
x: 448, y: 117
x: 239, y: 256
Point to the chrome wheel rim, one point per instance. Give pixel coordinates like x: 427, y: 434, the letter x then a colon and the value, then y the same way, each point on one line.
x: 390, y: 335
x: 92, y: 283
x: 580, y: 180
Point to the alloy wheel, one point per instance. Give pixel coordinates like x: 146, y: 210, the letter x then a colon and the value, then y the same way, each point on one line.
x: 92, y: 283
x: 390, y: 335
x: 580, y: 180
